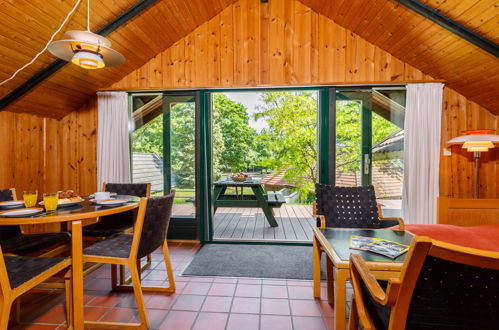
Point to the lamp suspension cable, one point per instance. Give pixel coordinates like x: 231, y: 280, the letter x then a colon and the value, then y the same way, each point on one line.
x: 88, y: 15
x: 48, y: 43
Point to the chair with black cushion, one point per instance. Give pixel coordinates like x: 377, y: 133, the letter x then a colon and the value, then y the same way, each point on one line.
x: 120, y: 222
x: 13, y: 241
x: 149, y: 234
x: 18, y: 274
x: 441, y: 286
x: 350, y: 207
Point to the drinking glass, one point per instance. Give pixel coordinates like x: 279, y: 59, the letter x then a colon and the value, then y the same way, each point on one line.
x: 30, y: 197
x: 50, y: 201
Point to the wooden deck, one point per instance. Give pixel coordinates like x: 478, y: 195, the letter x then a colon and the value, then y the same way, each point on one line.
x: 295, y: 223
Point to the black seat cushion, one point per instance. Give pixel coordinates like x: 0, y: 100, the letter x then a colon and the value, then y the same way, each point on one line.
x: 117, y: 246
x: 22, y: 269
x: 380, y: 314
x: 29, y: 243
x: 110, y: 225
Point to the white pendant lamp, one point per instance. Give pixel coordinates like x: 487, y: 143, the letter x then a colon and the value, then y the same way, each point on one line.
x: 86, y: 49
x: 476, y: 141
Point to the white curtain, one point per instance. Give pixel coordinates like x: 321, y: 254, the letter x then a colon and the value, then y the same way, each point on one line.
x: 113, y: 148
x: 422, y: 152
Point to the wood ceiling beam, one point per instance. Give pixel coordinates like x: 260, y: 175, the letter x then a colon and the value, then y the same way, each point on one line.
x: 56, y: 65
x: 451, y: 25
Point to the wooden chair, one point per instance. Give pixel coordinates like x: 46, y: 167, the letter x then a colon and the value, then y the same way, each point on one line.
x: 13, y: 241
x: 121, y: 222
x: 125, y: 249
x: 18, y: 274
x: 350, y: 207
x: 441, y: 286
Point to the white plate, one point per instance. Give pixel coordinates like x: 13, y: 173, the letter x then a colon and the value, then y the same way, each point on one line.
x: 11, y: 204
x: 21, y: 212
x: 112, y: 202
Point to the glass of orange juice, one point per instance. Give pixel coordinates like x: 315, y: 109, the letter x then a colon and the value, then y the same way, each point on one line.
x: 30, y: 197
x: 50, y: 201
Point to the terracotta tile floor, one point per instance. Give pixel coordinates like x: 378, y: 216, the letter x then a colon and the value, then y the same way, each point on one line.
x: 199, y: 303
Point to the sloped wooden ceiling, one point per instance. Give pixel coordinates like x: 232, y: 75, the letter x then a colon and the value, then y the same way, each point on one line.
x: 27, y: 25
x: 425, y: 45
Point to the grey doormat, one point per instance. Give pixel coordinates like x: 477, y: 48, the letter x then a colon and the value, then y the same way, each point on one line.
x: 258, y: 261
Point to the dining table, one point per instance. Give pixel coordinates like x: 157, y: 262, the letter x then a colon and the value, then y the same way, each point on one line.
x: 73, y: 216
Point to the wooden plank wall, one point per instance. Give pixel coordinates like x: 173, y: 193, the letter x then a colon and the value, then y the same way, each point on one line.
x: 279, y: 43
x: 457, y: 172
x: 286, y: 43
x: 48, y: 154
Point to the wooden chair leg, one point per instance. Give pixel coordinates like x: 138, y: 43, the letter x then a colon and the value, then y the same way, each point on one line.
x: 137, y: 290
x: 168, y: 264
x: 5, y: 305
x: 353, y: 319
x: 69, y: 300
x: 114, y: 276
x: 15, y: 312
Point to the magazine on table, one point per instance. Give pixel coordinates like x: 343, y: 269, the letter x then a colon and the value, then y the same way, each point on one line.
x: 378, y: 245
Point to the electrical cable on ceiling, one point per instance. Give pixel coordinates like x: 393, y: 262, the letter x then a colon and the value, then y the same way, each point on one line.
x: 48, y: 43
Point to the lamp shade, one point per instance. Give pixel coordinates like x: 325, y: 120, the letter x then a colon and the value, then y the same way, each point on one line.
x: 476, y: 140
x: 86, y: 49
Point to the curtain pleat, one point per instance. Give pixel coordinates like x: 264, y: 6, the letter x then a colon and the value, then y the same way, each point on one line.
x: 113, y: 147
x: 422, y: 152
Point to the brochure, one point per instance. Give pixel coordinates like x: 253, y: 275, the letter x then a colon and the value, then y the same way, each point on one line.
x: 378, y: 245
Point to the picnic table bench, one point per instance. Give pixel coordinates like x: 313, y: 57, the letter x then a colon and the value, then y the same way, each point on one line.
x: 260, y: 199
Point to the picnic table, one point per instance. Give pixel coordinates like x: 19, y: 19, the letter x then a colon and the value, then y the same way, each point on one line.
x: 259, y: 199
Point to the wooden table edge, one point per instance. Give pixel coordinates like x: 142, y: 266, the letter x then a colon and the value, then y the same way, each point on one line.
x: 66, y: 217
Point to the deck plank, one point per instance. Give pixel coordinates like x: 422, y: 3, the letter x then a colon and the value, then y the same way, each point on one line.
x: 295, y: 223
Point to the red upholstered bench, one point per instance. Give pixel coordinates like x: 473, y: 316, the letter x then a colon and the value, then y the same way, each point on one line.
x: 484, y: 237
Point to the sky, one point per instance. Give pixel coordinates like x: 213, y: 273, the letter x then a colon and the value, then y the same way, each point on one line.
x: 250, y: 100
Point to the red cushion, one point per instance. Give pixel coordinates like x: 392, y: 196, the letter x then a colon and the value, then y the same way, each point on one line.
x: 484, y: 237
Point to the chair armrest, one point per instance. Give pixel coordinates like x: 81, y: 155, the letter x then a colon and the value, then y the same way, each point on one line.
x: 322, y: 219
x: 360, y: 271
x: 381, y: 217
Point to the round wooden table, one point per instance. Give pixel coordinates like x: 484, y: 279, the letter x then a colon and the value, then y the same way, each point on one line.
x: 73, y: 216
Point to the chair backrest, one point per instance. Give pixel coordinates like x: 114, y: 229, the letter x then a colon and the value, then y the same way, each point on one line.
x: 156, y: 222
x: 7, y: 232
x: 447, y: 286
x: 347, y: 207
x: 133, y: 189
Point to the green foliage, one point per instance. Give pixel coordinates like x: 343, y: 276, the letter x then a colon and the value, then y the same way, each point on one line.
x: 183, y: 151
x: 149, y: 137
x: 238, y: 137
x: 291, y: 137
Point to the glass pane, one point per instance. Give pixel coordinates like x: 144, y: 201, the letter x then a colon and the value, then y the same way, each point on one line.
x: 183, y: 156
x: 388, y: 148
x: 348, y: 142
x: 147, y: 142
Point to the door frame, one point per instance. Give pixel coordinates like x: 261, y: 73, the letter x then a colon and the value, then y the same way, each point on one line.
x: 325, y: 137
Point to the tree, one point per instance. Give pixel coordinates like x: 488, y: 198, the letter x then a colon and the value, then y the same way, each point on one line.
x: 231, y: 120
x: 291, y: 137
x: 149, y: 137
x: 182, y: 144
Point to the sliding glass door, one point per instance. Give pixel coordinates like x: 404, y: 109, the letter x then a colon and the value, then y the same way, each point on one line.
x: 370, y: 141
x: 163, y: 144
